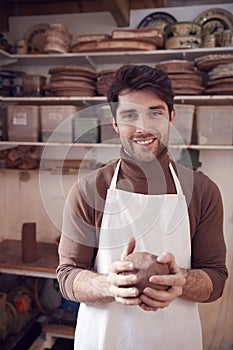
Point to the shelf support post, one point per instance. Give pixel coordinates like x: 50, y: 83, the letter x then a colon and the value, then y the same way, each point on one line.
x: 119, y: 10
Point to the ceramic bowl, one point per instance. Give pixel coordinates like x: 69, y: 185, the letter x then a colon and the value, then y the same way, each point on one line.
x: 183, y: 42
x: 182, y: 29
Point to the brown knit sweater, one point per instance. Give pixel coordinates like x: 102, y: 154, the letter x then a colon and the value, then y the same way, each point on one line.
x: 85, y: 205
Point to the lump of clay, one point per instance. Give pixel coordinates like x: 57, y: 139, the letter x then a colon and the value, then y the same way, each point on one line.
x: 146, y: 265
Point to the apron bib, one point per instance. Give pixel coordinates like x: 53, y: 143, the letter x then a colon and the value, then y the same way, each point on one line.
x: 159, y: 223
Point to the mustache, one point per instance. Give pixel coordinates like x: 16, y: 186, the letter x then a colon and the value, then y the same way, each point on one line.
x: 156, y: 135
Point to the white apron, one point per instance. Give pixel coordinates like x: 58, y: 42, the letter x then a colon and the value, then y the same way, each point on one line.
x: 159, y: 223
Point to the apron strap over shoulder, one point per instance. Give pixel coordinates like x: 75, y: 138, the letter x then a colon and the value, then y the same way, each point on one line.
x: 115, y: 175
x: 179, y: 190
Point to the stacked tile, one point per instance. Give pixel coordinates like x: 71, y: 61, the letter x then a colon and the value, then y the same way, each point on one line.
x: 219, y: 70
x: 184, y: 78
x: 105, y: 78
x: 72, y: 81
x: 58, y: 39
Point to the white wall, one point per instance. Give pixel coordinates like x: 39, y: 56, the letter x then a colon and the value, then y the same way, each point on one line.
x: 100, y: 22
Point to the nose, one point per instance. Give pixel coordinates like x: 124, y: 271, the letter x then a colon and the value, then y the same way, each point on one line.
x: 142, y: 124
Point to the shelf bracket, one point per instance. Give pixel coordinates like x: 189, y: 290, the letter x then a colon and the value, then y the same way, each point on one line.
x: 184, y: 55
x: 91, y: 62
x: 7, y: 62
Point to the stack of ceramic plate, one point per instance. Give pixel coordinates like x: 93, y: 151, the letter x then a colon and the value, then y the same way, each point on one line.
x: 72, y: 81
x: 58, y: 39
x: 220, y: 80
x: 120, y: 40
x: 184, y: 79
x: 114, y: 45
x: 208, y: 62
x: 219, y: 69
x: 104, y: 80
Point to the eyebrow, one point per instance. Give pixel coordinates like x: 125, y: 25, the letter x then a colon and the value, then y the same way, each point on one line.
x: 157, y: 107
x: 133, y: 110
x: 127, y: 111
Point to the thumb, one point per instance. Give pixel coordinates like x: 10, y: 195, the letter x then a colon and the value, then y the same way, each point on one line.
x: 129, y: 248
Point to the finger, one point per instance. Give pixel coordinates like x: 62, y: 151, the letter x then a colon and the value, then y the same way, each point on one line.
x: 152, y: 303
x: 154, y: 294
x: 128, y: 301
x: 168, y: 258
x: 148, y: 308
x: 124, y: 292
x: 129, y: 248
x: 168, y: 280
x: 161, y: 295
x: 122, y: 280
x: 121, y: 266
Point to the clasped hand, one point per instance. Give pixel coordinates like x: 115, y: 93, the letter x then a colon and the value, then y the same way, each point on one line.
x: 122, y: 286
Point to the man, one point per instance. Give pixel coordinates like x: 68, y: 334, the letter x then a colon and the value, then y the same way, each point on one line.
x: 142, y: 202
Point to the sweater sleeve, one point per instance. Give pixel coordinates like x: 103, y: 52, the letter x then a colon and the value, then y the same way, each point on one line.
x: 208, y: 245
x: 77, y: 247
x: 73, y: 257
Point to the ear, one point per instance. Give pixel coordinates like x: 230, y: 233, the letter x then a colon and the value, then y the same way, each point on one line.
x: 114, y: 124
x: 173, y: 114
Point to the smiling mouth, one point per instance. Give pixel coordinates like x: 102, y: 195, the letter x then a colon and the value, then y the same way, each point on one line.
x: 145, y: 142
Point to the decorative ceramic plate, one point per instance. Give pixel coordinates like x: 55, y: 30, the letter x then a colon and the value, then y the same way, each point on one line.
x: 157, y: 20
x: 213, y: 14
x: 212, y: 27
x: 35, y: 37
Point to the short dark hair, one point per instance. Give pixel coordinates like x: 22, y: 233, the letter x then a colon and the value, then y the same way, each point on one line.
x: 140, y: 77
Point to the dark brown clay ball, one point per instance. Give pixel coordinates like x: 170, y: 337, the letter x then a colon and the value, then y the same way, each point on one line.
x: 146, y: 265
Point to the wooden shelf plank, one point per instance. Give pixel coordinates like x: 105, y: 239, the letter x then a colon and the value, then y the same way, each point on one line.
x: 99, y: 59
x: 59, y: 330
x: 44, y: 266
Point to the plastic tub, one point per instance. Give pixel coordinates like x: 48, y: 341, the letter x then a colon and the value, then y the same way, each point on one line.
x: 214, y: 125
x: 181, y: 129
x: 23, y: 123
x: 56, y: 123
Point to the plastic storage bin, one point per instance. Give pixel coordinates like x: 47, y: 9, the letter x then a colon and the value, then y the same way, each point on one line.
x: 107, y: 132
x: 85, y: 130
x: 181, y: 129
x: 23, y: 123
x: 56, y: 123
x: 214, y: 125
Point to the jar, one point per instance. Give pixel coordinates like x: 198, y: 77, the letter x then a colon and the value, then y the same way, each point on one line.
x: 227, y: 38
x: 33, y: 85
x: 21, y: 47
x: 209, y: 40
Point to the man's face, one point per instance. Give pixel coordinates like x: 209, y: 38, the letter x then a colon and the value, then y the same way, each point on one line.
x: 142, y: 122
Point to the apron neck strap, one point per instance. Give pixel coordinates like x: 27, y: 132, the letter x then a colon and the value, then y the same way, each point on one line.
x: 115, y: 175
x: 179, y: 190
